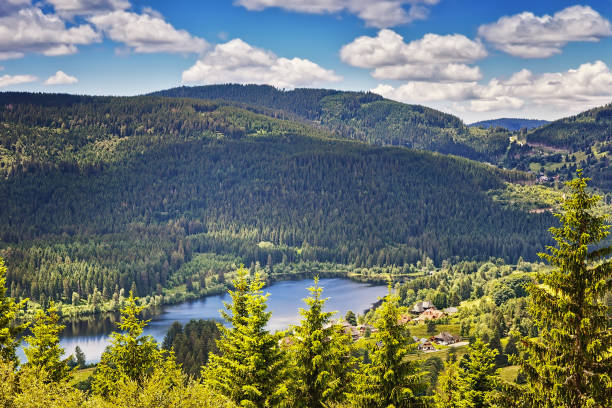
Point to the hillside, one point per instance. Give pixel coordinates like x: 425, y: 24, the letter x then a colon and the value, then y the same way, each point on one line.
x: 100, y: 192
x: 576, y: 132
x: 362, y: 116
x: 511, y: 124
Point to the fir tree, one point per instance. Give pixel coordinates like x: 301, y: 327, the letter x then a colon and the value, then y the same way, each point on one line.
x: 9, y: 328
x: 568, y: 365
x: 391, y: 379
x: 43, y: 351
x: 131, y: 356
x: 320, y: 354
x: 249, y: 368
x: 80, y: 357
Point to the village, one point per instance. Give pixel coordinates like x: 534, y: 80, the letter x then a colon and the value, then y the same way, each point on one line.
x: 422, y: 312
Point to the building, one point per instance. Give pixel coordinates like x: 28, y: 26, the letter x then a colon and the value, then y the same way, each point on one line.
x: 420, y: 307
x: 427, y: 346
x: 430, y: 314
x: 445, y: 338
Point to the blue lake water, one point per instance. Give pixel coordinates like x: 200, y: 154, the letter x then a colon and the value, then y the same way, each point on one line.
x: 284, y: 302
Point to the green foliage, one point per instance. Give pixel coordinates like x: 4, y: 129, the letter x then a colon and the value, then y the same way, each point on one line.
x: 192, y: 344
x: 80, y: 357
x: 33, y: 388
x: 568, y: 365
x: 43, y: 350
x: 250, y: 365
x: 9, y: 327
x: 351, y: 318
x: 471, y: 383
x: 391, y: 379
x: 320, y: 357
x: 131, y: 356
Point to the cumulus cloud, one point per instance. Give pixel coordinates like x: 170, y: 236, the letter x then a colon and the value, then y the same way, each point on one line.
x: 239, y: 62
x: 70, y: 8
x: 380, y: 13
x: 7, y: 80
x: 573, y: 90
x: 147, y: 33
x: 61, y: 78
x: 30, y: 30
x: 431, y: 58
x: 529, y: 36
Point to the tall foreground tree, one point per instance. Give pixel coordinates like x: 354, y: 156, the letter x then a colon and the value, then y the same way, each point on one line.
x: 570, y: 363
x: 250, y: 365
x: 131, y: 356
x: 9, y: 328
x: 44, y: 351
x: 391, y: 379
x: 320, y: 356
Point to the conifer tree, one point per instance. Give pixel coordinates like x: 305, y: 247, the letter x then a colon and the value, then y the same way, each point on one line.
x: 320, y: 355
x: 131, y: 356
x: 569, y: 363
x: 9, y: 328
x: 43, y: 351
x: 250, y: 365
x: 471, y: 383
x: 391, y: 379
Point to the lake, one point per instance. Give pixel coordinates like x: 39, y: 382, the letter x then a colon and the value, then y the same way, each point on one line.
x: 284, y: 301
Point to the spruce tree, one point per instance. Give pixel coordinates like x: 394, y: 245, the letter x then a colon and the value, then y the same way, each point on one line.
x: 9, y: 328
x: 250, y: 363
x: 320, y: 355
x: 391, y: 379
x: 569, y: 363
x: 131, y: 356
x: 44, y: 351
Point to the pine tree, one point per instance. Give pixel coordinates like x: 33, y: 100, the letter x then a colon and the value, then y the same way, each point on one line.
x: 131, y: 356
x: 391, y: 379
x: 471, y: 383
x: 569, y: 364
x: 43, y: 351
x: 9, y: 328
x: 320, y: 354
x: 80, y: 357
x: 249, y: 368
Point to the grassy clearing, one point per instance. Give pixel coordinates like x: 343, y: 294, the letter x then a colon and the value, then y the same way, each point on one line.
x: 82, y: 375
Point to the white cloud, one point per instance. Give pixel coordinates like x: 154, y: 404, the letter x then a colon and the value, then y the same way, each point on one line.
x: 7, y: 80
x: 529, y: 36
x: 70, y: 8
x: 147, y: 33
x: 30, y: 30
x: 379, y: 13
x: 431, y: 58
x: 571, y: 91
x: 239, y: 62
x: 61, y: 78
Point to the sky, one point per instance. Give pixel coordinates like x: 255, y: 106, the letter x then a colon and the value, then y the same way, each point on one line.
x: 477, y: 59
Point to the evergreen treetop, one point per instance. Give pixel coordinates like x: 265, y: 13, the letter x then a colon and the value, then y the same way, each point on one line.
x: 9, y: 328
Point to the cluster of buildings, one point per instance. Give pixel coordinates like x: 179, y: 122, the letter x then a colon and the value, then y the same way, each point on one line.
x: 442, y: 339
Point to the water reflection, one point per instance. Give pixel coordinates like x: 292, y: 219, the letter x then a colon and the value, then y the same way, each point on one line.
x: 91, y: 334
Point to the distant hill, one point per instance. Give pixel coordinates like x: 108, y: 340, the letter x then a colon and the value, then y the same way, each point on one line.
x: 576, y: 132
x: 105, y: 192
x: 361, y: 116
x: 512, y: 124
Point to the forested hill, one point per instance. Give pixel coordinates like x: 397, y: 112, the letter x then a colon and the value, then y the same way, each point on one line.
x: 512, y: 124
x: 363, y: 116
x: 579, y: 132
x: 102, y: 192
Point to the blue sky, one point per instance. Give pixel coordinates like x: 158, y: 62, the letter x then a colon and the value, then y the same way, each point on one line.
x: 475, y: 59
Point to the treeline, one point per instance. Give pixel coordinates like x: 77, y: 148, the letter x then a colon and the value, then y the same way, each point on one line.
x: 364, y: 116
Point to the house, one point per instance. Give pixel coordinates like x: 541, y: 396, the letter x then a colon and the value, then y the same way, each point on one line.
x: 420, y: 307
x: 363, y: 328
x: 427, y: 346
x: 445, y: 338
x: 430, y: 314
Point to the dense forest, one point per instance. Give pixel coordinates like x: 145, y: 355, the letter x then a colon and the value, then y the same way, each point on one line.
x: 552, y: 326
x: 511, y: 124
x: 101, y: 194
x: 363, y: 116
